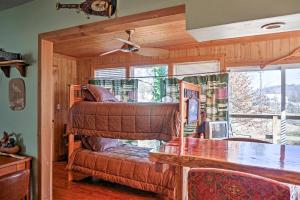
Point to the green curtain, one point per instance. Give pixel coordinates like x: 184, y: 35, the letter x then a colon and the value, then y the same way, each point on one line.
x: 214, y: 95
x: 170, y: 90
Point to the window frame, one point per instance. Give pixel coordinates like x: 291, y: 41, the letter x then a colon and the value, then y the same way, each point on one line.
x: 174, y: 73
x: 110, y: 68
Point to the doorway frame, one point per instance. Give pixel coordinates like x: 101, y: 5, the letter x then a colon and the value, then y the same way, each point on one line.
x: 45, y: 79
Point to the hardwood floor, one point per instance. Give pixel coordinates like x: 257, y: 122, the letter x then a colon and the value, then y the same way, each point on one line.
x: 92, y: 189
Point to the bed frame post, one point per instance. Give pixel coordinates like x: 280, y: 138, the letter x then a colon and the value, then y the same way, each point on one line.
x: 74, y: 96
x: 70, y: 151
x: 182, y: 172
x: 182, y: 110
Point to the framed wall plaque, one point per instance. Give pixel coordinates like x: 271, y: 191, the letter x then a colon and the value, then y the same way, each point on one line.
x: 17, y: 94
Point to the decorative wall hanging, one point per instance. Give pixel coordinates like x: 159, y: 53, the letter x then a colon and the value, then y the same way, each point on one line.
x: 105, y: 8
x: 17, y: 94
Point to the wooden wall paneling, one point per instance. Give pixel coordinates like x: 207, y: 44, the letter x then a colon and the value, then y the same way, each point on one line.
x: 64, y: 74
x: 170, y: 69
x: 86, y: 66
x: 128, y: 71
x: 85, y: 70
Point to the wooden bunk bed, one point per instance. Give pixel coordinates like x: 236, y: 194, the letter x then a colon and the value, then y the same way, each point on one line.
x: 166, y: 190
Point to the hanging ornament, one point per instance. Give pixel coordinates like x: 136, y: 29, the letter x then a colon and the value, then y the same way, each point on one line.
x: 105, y: 8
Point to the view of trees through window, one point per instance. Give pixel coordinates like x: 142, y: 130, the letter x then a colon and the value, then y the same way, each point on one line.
x: 255, y: 104
x: 150, y: 82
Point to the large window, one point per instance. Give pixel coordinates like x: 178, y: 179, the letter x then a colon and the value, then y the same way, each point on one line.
x: 149, y: 81
x: 110, y: 73
x: 257, y: 100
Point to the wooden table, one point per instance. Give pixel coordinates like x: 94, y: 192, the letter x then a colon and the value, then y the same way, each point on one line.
x: 10, y: 165
x: 278, y: 162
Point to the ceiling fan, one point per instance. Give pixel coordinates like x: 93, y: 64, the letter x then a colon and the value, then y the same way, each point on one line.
x: 131, y: 47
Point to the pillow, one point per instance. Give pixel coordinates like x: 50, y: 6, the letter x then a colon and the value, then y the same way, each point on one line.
x: 99, y: 143
x: 87, y: 96
x: 101, y: 94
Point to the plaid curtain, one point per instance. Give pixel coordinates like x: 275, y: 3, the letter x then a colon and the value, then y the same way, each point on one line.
x: 214, y: 95
x: 169, y: 90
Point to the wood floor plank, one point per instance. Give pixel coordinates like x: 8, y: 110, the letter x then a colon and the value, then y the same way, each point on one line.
x: 92, y: 189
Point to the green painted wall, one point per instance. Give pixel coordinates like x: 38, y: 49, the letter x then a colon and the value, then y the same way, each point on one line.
x: 207, y: 13
x: 19, y: 29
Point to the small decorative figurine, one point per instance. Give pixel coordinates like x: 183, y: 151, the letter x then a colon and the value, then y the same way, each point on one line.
x: 104, y: 8
x: 8, y: 144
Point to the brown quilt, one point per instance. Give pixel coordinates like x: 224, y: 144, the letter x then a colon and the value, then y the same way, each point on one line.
x: 127, y: 165
x: 132, y: 121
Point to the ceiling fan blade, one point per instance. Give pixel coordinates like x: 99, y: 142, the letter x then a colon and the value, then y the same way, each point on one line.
x: 113, y: 51
x: 128, y: 42
x: 153, y: 52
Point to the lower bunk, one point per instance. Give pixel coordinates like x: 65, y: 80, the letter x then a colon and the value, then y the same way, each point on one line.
x: 125, y: 164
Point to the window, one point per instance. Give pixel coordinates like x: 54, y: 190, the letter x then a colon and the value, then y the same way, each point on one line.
x: 292, y: 90
x: 191, y: 69
x: 149, y: 81
x: 110, y: 73
x: 256, y: 101
x: 255, y: 92
x: 149, y: 91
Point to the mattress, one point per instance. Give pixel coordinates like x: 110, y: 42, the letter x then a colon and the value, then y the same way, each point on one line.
x: 127, y: 165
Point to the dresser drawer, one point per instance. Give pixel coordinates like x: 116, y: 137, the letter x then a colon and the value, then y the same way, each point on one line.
x: 12, y: 169
x: 8, y: 170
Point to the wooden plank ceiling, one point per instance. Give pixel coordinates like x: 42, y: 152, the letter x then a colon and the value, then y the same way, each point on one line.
x: 163, y: 29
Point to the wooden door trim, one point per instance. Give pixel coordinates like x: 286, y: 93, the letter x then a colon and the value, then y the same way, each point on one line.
x: 45, y: 87
x: 45, y: 116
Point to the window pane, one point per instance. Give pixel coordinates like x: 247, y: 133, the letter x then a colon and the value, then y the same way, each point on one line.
x: 149, y: 84
x: 293, y: 105
x: 256, y: 128
x: 293, y: 131
x: 256, y: 97
x: 293, y: 91
x: 110, y: 73
x: 255, y: 92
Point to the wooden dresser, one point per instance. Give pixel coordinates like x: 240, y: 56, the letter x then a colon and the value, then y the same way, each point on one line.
x: 9, y: 165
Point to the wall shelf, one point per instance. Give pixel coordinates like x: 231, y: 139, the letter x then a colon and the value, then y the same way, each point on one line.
x: 20, y: 65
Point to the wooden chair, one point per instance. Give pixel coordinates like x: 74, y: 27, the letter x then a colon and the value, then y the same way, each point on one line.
x: 218, y: 184
x: 247, y: 140
x: 15, y: 186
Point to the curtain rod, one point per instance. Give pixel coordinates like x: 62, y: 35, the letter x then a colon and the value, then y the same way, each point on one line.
x: 137, y: 77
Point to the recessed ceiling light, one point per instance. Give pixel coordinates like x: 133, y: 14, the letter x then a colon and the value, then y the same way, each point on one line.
x: 274, y: 25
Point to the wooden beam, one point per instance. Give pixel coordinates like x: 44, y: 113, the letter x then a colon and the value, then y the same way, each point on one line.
x: 45, y: 117
x: 118, y: 24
